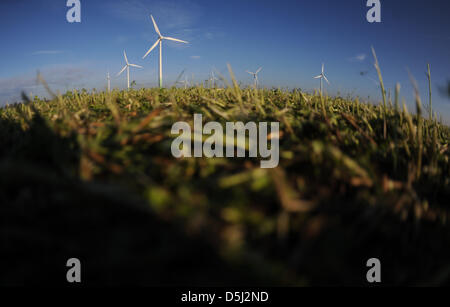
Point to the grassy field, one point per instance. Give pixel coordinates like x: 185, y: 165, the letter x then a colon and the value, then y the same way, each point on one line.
x: 91, y: 175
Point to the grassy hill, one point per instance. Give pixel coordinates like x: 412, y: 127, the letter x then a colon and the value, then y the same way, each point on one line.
x: 91, y: 175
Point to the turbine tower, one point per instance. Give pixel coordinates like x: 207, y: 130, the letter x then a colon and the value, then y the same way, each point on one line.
x: 127, y: 67
x: 159, y: 41
x: 109, y: 82
x: 322, y: 76
x: 255, y: 76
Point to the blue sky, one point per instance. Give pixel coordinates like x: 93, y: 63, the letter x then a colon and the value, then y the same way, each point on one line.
x: 289, y: 39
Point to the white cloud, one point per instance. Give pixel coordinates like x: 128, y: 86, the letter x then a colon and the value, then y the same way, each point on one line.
x: 121, y: 39
x: 358, y: 58
x: 57, y: 76
x: 39, y: 52
x: 195, y: 57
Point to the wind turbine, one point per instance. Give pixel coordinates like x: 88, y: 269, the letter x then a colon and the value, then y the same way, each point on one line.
x: 159, y: 41
x: 109, y: 82
x: 213, y: 79
x: 127, y: 67
x: 322, y: 76
x: 255, y: 76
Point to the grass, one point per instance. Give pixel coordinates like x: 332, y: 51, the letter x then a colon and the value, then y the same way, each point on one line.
x: 91, y: 175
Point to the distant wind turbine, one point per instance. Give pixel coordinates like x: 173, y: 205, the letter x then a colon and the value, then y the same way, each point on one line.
x: 159, y: 41
x: 109, y: 82
x: 255, y: 76
x: 322, y: 76
x: 127, y: 67
x: 213, y: 79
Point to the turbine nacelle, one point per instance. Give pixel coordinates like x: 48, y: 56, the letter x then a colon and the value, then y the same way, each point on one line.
x: 255, y: 75
x: 321, y: 77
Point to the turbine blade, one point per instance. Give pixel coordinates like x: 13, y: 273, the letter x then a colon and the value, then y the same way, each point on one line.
x: 134, y: 65
x: 373, y: 80
x: 319, y: 76
x: 259, y: 69
x: 251, y: 73
x: 156, y: 27
x: 323, y: 66
x: 153, y: 47
x: 125, y: 55
x: 123, y: 69
x: 326, y: 79
x: 175, y: 40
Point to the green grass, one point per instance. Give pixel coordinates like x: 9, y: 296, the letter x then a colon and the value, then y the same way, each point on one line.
x: 92, y: 174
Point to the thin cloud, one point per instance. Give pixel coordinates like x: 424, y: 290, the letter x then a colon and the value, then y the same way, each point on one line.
x: 169, y: 14
x: 358, y: 58
x: 121, y: 39
x: 46, y: 52
x: 195, y: 57
x: 56, y: 76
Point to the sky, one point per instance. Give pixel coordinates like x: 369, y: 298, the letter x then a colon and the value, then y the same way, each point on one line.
x: 289, y: 39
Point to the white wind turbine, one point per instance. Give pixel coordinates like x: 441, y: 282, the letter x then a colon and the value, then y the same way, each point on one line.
x: 109, y: 82
x: 322, y: 76
x: 255, y: 76
x: 159, y: 41
x: 127, y: 67
x: 213, y: 79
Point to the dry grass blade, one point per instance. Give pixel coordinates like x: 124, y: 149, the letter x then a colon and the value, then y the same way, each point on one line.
x: 430, y: 103
x: 236, y: 89
x: 419, y: 126
x: 44, y: 83
x: 383, y: 91
x: 147, y: 120
x: 352, y: 121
